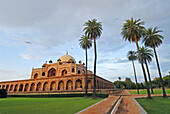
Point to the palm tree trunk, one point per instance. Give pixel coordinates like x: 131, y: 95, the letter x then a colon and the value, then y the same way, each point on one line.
x: 135, y: 76
x: 149, y: 77
x: 163, y: 89
x: 86, y: 75
x: 94, y: 76
x: 148, y: 92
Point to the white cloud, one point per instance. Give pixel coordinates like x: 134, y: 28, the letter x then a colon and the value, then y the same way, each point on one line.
x: 53, y: 26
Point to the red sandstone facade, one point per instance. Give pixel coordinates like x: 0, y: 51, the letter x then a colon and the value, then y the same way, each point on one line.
x: 63, y: 76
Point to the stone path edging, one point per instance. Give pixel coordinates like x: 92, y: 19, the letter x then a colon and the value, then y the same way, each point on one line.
x: 108, y: 111
x: 142, y: 111
x: 91, y: 106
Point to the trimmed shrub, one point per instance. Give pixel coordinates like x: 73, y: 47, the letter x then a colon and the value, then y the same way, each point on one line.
x: 3, y: 93
x: 60, y: 95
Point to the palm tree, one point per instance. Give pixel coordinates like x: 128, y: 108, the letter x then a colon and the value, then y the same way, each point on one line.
x: 131, y: 57
x: 133, y: 31
x: 153, y: 39
x: 93, y: 30
x: 147, y: 55
x: 85, y: 43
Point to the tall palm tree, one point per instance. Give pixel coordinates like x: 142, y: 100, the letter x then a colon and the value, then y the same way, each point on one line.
x: 93, y: 30
x: 131, y: 57
x: 85, y: 43
x: 153, y: 39
x: 147, y: 55
x: 133, y: 31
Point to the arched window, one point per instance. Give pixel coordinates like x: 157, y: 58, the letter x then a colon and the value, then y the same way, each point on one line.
x: 21, y: 87
x: 78, y: 84
x: 16, y: 87
x: 3, y: 86
x: 35, y: 75
x: 69, y: 85
x: 61, y: 85
x: 78, y: 71
x: 64, y: 72
x: 45, y: 87
x: 53, y: 86
x: 26, y: 87
x: 43, y: 74
x: 7, y: 87
x: 38, y: 87
x: 73, y: 70
x: 89, y: 84
x: 11, y: 87
x: 51, y: 72
x: 32, y: 88
x: 83, y: 71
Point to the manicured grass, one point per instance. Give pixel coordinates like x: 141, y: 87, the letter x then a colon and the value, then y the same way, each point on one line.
x: 143, y: 91
x: 158, y: 105
x: 45, y: 105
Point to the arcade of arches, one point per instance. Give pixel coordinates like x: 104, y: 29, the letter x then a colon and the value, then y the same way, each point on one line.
x: 53, y: 85
x: 63, y: 76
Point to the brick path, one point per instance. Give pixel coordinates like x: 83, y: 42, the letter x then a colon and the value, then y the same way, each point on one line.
x: 102, y: 107
x: 127, y: 104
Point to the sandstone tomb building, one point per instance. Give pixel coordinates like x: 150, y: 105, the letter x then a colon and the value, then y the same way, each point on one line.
x: 63, y: 76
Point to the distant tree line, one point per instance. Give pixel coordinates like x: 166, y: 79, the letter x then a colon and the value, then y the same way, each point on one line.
x: 128, y: 84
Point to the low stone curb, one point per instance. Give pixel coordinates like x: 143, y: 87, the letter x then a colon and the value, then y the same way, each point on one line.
x: 91, y: 106
x: 108, y: 111
x: 113, y: 105
x: 142, y: 111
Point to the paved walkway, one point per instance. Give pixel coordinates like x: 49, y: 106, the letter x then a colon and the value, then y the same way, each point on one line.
x: 127, y: 105
x: 103, y: 106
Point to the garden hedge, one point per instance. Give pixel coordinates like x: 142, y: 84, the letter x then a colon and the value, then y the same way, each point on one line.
x: 3, y: 93
x: 60, y: 95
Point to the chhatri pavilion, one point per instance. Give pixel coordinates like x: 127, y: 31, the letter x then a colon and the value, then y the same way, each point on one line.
x: 62, y: 76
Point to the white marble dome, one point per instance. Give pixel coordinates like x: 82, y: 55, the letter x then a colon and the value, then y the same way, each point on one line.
x: 66, y: 58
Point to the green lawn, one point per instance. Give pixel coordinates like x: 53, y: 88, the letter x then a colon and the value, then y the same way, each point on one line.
x: 158, y: 105
x: 143, y: 91
x: 44, y: 105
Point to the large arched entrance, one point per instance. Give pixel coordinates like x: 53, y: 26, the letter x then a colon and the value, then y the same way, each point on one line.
x: 45, y: 87
x: 21, y: 87
x: 32, y: 87
x: 64, y: 72
x: 26, y: 87
x: 69, y: 85
x: 61, y: 85
x: 53, y: 86
x: 89, y: 84
x: 78, y: 84
x: 51, y: 72
x: 38, y: 87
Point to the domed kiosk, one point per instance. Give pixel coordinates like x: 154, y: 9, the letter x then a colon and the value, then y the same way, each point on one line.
x: 57, y: 77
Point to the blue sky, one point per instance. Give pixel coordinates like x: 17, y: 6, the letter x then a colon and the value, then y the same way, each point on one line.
x: 54, y: 27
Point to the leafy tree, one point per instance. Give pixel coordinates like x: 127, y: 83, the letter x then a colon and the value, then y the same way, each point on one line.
x: 156, y: 82
x: 166, y: 80
x: 128, y: 83
x: 3, y: 93
x: 85, y: 43
x: 147, y: 55
x: 133, y: 31
x: 93, y: 30
x: 153, y: 39
x: 131, y: 57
